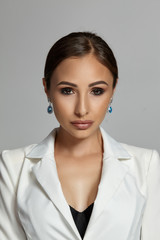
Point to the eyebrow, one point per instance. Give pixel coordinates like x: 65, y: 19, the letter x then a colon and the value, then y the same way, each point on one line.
x: 74, y: 85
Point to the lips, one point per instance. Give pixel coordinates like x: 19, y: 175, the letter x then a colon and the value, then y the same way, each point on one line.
x: 82, y: 122
x: 82, y: 125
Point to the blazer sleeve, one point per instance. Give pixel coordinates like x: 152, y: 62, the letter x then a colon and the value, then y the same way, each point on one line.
x: 151, y: 217
x: 10, y: 167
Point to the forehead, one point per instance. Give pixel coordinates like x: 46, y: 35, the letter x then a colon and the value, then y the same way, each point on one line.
x: 86, y: 68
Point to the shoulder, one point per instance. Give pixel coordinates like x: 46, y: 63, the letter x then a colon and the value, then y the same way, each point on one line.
x: 142, y: 158
x: 125, y: 151
x: 15, y: 156
x: 139, y: 152
x: 11, y: 162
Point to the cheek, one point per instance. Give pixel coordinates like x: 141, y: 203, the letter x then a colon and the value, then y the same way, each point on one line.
x: 100, y: 107
x: 101, y: 111
x: 100, y: 103
x: 62, y: 108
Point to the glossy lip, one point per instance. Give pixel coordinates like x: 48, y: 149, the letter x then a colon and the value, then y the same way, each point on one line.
x: 82, y: 125
x: 82, y: 122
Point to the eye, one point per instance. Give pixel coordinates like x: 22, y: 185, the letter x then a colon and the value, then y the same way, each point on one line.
x: 66, y: 91
x: 98, y: 91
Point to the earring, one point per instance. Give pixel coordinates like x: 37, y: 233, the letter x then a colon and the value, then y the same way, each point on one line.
x: 109, y: 107
x: 50, y: 108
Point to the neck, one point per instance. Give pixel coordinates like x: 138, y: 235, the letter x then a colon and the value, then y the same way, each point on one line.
x: 69, y: 145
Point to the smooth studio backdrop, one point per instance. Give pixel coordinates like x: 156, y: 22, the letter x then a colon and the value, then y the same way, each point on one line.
x: 28, y: 30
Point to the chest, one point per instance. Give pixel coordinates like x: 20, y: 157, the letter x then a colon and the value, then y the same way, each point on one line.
x: 79, y: 178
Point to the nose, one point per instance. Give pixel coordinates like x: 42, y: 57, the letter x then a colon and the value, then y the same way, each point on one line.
x: 82, y: 106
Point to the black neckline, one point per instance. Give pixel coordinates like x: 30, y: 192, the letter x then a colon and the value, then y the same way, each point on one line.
x: 81, y: 219
x: 83, y: 210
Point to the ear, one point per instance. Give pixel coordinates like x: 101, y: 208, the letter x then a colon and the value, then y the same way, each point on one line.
x: 45, y: 86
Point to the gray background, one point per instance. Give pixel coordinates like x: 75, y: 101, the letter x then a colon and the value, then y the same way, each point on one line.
x: 28, y: 30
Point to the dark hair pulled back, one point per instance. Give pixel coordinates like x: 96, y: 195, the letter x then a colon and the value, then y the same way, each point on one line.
x: 78, y: 44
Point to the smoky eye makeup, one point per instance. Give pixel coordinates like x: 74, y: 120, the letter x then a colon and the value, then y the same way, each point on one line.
x: 66, y: 91
x: 97, y: 91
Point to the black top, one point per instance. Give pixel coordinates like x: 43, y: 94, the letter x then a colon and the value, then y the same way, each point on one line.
x: 81, y: 219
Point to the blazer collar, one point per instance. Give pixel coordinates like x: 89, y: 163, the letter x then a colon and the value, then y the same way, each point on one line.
x: 45, y: 147
x: 111, y: 147
x: 113, y: 173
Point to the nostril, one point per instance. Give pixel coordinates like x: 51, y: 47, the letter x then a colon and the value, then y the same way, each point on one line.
x: 81, y: 114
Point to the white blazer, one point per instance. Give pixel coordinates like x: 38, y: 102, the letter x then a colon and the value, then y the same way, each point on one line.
x: 127, y: 206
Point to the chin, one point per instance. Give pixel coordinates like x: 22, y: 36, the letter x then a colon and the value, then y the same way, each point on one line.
x: 80, y: 134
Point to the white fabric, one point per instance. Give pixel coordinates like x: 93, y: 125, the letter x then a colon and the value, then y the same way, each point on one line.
x: 32, y: 204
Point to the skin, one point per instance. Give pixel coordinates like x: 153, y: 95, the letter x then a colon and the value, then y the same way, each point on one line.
x: 79, y: 153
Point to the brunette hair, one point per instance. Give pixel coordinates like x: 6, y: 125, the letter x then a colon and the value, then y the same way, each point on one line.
x: 78, y: 44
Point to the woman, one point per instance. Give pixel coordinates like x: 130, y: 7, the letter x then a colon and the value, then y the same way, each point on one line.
x: 79, y: 183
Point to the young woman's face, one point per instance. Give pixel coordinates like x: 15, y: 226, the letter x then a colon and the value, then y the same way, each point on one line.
x: 80, y: 89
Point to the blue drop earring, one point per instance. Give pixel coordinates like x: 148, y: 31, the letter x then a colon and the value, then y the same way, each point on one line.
x: 109, y: 107
x: 50, y: 108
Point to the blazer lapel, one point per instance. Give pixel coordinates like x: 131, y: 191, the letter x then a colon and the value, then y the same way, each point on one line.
x: 112, y: 176
x: 113, y: 173
x: 46, y: 174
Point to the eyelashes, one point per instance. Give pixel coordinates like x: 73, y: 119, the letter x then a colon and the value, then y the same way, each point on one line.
x: 66, y: 91
x: 69, y: 91
x: 98, y: 91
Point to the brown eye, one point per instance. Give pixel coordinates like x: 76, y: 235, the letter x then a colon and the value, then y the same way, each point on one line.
x: 66, y: 91
x: 98, y: 91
